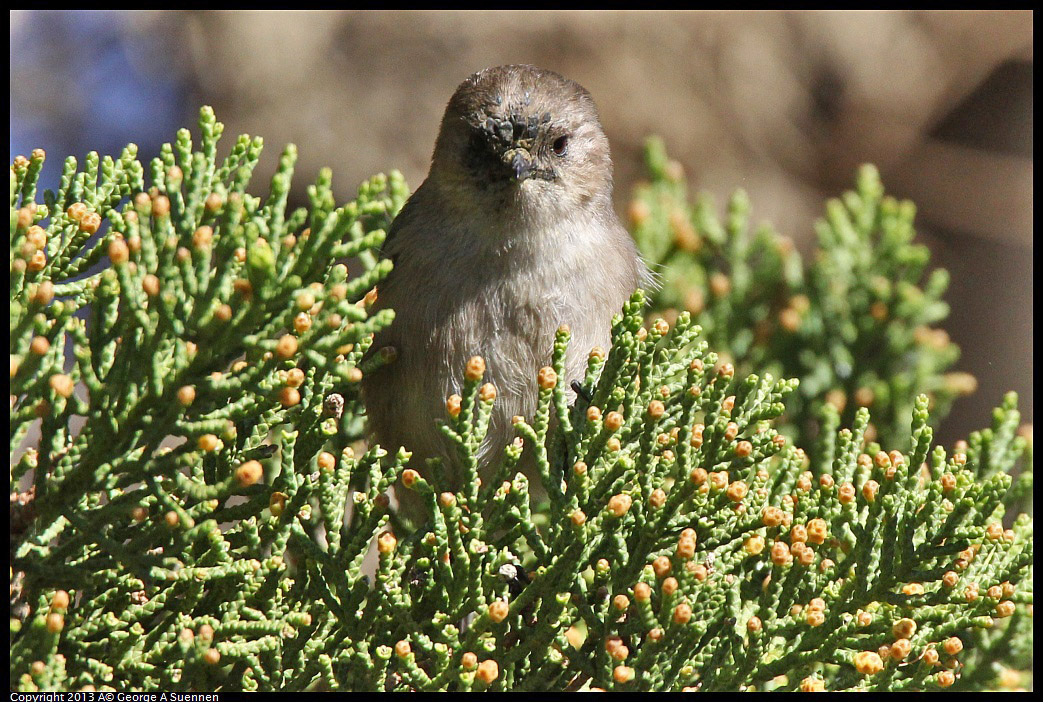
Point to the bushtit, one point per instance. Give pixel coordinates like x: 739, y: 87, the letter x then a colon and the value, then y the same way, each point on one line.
x: 512, y: 235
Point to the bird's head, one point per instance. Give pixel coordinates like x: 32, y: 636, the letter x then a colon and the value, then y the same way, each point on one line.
x: 520, y: 136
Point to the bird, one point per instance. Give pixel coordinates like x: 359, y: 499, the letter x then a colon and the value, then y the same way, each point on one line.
x: 511, y: 235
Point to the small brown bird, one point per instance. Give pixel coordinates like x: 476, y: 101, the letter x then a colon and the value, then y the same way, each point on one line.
x: 512, y: 235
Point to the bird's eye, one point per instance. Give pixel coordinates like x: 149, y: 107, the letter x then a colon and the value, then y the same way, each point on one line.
x: 560, y: 145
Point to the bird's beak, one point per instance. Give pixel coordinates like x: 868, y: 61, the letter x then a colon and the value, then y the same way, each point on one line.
x: 520, y: 163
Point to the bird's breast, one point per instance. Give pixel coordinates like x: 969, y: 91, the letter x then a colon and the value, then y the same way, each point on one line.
x: 465, y: 291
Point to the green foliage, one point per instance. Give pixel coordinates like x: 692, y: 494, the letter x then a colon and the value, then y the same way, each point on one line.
x: 202, y: 511
x: 852, y: 326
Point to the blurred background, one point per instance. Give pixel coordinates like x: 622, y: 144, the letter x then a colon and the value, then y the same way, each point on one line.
x: 783, y: 104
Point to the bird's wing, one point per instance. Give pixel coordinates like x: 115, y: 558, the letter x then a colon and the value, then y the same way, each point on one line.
x: 389, y: 249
